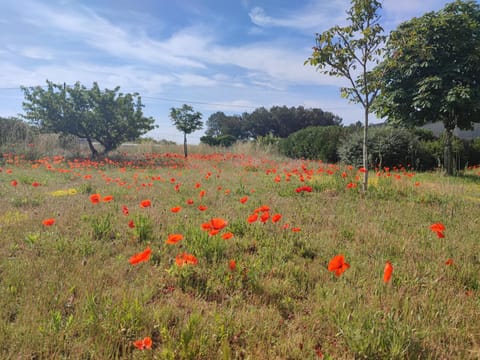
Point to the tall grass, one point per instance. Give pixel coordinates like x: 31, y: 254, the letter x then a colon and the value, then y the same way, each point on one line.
x: 69, y: 291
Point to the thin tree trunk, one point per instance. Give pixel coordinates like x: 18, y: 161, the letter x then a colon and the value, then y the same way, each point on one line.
x: 447, y: 154
x: 185, y: 144
x: 365, y: 152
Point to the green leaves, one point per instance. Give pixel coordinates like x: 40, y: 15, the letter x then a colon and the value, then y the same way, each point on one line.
x: 185, y: 119
x: 107, y: 116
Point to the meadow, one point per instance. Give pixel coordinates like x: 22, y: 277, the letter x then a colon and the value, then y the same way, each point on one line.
x: 148, y: 255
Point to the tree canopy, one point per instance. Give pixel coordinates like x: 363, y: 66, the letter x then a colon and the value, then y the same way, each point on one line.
x: 348, y: 52
x: 107, y: 117
x: 187, y: 121
x: 279, y: 121
x: 430, y: 72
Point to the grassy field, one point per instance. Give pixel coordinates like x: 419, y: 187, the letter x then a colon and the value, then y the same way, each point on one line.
x: 68, y: 289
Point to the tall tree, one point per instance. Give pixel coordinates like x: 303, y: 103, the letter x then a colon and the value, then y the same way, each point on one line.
x: 187, y: 121
x: 107, y: 117
x: 348, y: 52
x: 431, y: 72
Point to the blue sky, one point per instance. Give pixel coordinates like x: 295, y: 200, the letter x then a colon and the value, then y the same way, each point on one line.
x: 216, y: 55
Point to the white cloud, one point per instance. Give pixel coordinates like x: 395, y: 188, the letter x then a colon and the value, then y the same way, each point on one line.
x: 37, y: 53
x: 318, y: 15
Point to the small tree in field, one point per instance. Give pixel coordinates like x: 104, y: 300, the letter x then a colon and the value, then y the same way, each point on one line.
x: 187, y: 121
x: 107, y: 117
x: 347, y: 52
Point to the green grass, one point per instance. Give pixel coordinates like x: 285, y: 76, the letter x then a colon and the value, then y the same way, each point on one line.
x: 69, y: 291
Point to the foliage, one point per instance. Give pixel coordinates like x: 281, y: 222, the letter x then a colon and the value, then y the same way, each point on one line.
x: 315, y: 142
x: 279, y: 121
x: 388, y: 146
x: 108, y: 117
x: 220, y: 140
x: 187, y: 121
x: 430, y: 71
x: 340, y: 51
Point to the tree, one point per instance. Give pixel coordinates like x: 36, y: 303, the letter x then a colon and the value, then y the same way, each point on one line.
x: 430, y: 71
x: 343, y: 51
x: 107, y: 117
x: 187, y: 121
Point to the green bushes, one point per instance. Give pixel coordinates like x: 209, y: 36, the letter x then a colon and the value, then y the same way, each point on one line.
x: 314, y: 142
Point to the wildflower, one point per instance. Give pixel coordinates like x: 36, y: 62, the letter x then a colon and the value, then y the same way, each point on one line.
x: 264, y: 217
x: 276, y: 218
x: 338, y: 265
x: 48, y: 222
x: 142, y: 344
x: 244, y: 199
x: 13, y: 183
x: 189, y: 202
x: 202, y: 207
x: 140, y: 257
x: 232, y: 265
x: 145, y: 203
x: 108, y: 198
x: 95, y: 198
x: 387, y: 272
x: 185, y: 258
x: 227, y: 236
x: 174, y: 238
x: 449, y: 262
x: 252, y: 218
x: 131, y: 224
x: 438, y: 228
x: 124, y: 210
x: 176, y: 209
x: 215, y: 225
x: 35, y: 184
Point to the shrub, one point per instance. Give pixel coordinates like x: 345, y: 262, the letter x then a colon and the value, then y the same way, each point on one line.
x: 314, y: 142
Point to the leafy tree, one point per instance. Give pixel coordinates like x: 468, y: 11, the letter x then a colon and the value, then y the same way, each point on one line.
x: 347, y: 51
x: 430, y: 71
x: 187, y: 121
x: 107, y: 117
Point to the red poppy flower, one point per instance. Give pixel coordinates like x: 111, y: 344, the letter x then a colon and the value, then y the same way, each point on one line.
x: 95, y: 198
x: 108, y: 198
x: 189, y: 202
x: 252, y: 218
x: 449, y: 262
x: 35, y: 184
x: 124, y: 210
x: 338, y: 265
x: 174, y: 238
x: 244, y: 199
x: 48, y: 222
x: 264, y: 217
x: 202, y: 207
x: 185, y: 258
x: 276, y: 218
x: 142, y: 344
x: 213, y: 232
x: 176, y: 209
x: 438, y: 228
x: 131, y: 224
x: 232, y: 265
x: 387, y: 272
x: 140, y: 257
x: 145, y: 203
x: 13, y: 183
x: 227, y: 236
x: 296, y: 229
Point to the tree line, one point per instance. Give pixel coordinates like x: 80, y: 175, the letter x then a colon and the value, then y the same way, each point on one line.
x: 278, y: 121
